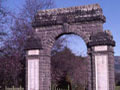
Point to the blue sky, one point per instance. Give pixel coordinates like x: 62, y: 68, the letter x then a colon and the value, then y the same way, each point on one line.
x: 111, y: 9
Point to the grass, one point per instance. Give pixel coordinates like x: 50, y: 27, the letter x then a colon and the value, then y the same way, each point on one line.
x: 117, y: 88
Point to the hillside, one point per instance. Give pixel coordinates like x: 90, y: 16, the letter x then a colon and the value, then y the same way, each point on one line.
x: 117, y: 64
x: 117, y: 70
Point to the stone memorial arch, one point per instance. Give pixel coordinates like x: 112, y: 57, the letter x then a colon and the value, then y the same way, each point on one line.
x: 85, y: 21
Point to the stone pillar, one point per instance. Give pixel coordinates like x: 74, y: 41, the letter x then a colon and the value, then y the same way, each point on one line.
x: 101, y: 67
x: 102, y: 57
x: 111, y: 68
x: 45, y: 70
x: 38, y: 75
x: 45, y: 75
x: 32, y: 70
x: 89, y: 70
x: 33, y: 64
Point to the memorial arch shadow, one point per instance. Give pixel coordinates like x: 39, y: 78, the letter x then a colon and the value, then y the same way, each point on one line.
x: 84, y: 21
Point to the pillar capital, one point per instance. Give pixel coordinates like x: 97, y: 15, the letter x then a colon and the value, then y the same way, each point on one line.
x: 101, y: 39
x: 33, y: 43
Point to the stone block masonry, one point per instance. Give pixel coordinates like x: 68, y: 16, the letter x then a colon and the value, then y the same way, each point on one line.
x: 85, y: 21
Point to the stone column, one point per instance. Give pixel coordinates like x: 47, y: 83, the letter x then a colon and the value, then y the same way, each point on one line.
x: 89, y: 66
x: 111, y: 68
x: 32, y: 70
x: 45, y: 73
x: 102, y: 57
x: 101, y: 67
x: 38, y: 75
x: 33, y: 64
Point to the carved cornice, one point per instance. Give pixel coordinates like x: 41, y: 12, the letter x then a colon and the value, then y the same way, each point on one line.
x: 101, y: 38
x: 69, y: 15
x: 33, y: 43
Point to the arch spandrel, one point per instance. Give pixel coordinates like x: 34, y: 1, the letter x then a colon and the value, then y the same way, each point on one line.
x: 51, y: 38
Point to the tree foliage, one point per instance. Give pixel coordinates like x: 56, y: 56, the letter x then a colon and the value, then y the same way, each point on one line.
x: 3, y: 20
x: 117, y: 79
x: 66, y: 64
x: 31, y: 7
x: 12, y: 53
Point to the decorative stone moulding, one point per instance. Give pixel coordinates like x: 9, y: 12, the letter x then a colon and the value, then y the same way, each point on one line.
x: 101, y: 38
x: 33, y: 43
x: 69, y: 15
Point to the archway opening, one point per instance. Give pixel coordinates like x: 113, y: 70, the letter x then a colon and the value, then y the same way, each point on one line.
x: 69, y: 63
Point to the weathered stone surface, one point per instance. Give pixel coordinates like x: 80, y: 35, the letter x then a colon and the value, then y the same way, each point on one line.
x: 85, y: 21
x: 101, y: 38
x: 33, y: 43
x: 69, y: 15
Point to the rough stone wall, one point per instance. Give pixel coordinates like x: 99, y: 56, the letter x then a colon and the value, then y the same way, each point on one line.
x: 59, y: 16
x: 81, y: 20
x: 84, y: 21
x: 111, y: 68
x: 49, y: 34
